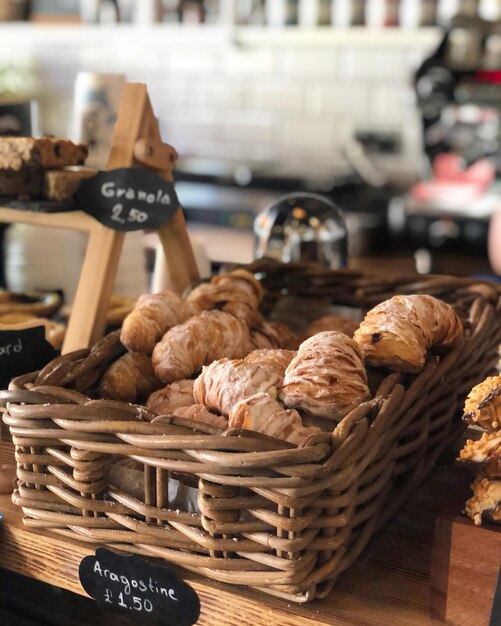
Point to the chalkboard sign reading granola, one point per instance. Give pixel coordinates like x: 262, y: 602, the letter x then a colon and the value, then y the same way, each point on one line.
x: 129, y: 198
x: 23, y: 351
x: 131, y: 583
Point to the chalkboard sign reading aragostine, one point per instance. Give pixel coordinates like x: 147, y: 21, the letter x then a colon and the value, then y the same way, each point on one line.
x: 134, y: 584
x: 128, y: 198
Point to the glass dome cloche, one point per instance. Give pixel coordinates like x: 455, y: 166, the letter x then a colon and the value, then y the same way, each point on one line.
x: 302, y: 226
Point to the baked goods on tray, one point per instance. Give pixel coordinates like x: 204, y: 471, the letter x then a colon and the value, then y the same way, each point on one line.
x: 17, y: 153
x: 33, y: 168
x: 63, y: 185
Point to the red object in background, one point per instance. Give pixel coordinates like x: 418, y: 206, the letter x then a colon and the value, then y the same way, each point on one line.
x: 488, y: 76
x: 452, y: 183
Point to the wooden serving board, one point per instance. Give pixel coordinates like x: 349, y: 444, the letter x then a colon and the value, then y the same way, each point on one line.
x: 466, y: 565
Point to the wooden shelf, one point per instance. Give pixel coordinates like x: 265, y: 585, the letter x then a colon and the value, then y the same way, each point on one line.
x: 389, y: 584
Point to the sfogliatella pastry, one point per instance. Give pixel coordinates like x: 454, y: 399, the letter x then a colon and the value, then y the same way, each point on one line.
x: 226, y: 381
x: 236, y: 292
x: 265, y: 415
x: 398, y: 332
x: 486, y: 500
x: 167, y: 400
x: 276, y: 360
x: 129, y: 379
x: 483, y: 404
x: 203, y: 338
x: 153, y: 315
x: 327, y: 377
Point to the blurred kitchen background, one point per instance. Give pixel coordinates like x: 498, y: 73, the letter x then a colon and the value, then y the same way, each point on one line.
x: 388, y: 107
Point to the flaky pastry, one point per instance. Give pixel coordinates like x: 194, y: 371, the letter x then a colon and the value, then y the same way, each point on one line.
x: 398, y: 332
x: 203, y: 338
x: 265, y: 415
x: 167, y: 400
x: 483, y: 404
x: 236, y: 292
x: 327, y: 377
x: 129, y: 379
x: 276, y: 360
x: 226, y: 381
x: 153, y: 315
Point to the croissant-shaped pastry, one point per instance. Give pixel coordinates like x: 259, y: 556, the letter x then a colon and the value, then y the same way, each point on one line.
x: 165, y: 401
x: 204, y: 338
x: 129, y: 379
x: 226, y: 381
x: 236, y: 292
x: 265, y: 415
x: 276, y: 360
x: 483, y: 404
x: 331, y: 322
x: 398, y: 332
x: 151, y: 318
x: 272, y: 335
x: 486, y: 500
x: 327, y: 377
x: 202, y: 414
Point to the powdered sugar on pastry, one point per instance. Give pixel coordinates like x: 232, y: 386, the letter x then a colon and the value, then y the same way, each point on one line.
x: 204, y: 338
x: 223, y: 383
x: 327, y: 376
x: 265, y: 415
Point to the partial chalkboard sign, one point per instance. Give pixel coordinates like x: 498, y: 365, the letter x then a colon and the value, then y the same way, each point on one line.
x: 495, y: 619
x: 128, y: 198
x: 23, y: 351
x: 133, y: 584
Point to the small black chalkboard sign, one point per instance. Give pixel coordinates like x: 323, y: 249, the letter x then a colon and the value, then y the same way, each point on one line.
x: 495, y: 619
x: 23, y: 351
x: 135, y: 585
x: 128, y: 198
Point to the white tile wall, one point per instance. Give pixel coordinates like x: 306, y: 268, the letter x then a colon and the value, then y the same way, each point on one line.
x: 252, y: 96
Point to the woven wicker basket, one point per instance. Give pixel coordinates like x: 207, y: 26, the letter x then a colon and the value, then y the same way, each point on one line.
x: 279, y: 518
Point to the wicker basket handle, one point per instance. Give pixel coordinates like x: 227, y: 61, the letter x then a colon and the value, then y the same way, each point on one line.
x: 24, y: 396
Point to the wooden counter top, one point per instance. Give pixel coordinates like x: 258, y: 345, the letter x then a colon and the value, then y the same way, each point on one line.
x: 389, y: 584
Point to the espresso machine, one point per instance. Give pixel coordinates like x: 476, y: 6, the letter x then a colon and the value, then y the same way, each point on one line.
x: 458, y: 93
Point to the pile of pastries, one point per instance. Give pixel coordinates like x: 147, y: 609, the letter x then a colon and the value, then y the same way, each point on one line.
x: 44, y: 167
x: 213, y: 358
x: 483, y: 409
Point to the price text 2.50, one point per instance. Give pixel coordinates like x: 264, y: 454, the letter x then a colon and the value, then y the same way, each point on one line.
x: 134, y: 215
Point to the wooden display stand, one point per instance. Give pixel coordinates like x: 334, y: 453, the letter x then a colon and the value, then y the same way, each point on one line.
x: 136, y: 142
x: 466, y: 563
